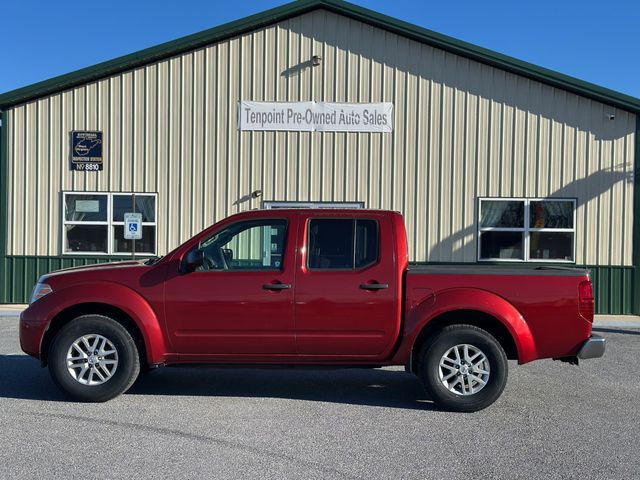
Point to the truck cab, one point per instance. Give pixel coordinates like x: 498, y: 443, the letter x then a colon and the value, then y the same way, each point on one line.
x: 288, y: 283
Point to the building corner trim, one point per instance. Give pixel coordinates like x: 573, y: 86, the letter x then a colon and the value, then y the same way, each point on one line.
x: 636, y: 221
x: 4, y: 204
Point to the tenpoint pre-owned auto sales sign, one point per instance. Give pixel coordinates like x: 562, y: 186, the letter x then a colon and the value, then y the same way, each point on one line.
x: 316, y: 116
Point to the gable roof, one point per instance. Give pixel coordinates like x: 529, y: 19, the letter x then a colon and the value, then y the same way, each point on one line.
x: 253, y: 22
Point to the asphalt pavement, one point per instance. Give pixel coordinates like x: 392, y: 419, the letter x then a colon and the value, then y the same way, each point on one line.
x: 553, y: 421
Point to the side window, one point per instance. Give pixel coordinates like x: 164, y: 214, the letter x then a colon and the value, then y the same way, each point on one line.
x: 342, y: 244
x: 250, y: 245
x: 366, y: 243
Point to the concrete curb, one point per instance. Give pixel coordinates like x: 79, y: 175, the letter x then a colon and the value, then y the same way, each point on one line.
x: 611, y: 324
x: 11, y: 310
x: 617, y: 321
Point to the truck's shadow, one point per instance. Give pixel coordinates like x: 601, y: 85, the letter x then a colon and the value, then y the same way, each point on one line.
x: 21, y: 377
x: 616, y: 330
x: 352, y: 386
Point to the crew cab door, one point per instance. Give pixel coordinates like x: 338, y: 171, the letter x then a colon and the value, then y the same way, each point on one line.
x: 240, y: 301
x: 346, y: 299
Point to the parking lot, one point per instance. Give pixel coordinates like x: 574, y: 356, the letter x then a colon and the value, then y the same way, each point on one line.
x: 553, y: 421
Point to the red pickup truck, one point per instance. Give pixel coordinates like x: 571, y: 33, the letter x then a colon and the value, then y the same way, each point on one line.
x: 315, y: 287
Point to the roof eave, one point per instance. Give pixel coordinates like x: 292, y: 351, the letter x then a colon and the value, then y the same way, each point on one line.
x: 483, y: 55
x: 156, y: 53
x: 238, y: 27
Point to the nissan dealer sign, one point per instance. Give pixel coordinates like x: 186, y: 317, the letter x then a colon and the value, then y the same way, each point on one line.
x: 316, y: 116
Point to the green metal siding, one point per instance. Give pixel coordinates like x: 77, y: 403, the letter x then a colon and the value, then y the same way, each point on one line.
x: 614, y: 286
x: 18, y: 275
x: 614, y: 289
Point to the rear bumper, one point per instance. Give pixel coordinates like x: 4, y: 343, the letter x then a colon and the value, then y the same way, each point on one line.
x: 593, y: 348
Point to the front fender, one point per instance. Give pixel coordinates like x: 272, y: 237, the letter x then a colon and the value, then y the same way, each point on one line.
x: 419, y: 316
x: 43, y: 311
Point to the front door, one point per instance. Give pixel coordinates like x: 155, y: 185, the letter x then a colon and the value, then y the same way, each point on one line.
x: 240, y: 302
x: 346, y: 298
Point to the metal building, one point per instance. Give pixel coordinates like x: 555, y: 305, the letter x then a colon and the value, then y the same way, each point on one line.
x: 489, y: 158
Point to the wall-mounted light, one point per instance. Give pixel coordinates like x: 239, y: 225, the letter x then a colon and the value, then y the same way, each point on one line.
x: 315, y: 60
x: 256, y: 194
x: 612, y: 116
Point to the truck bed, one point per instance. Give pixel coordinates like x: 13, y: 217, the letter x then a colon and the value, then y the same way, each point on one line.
x: 546, y: 298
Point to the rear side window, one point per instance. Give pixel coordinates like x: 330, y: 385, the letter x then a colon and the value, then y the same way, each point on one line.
x: 342, y: 244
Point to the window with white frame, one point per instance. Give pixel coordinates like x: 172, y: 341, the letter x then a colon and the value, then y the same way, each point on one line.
x: 93, y: 223
x: 523, y: 229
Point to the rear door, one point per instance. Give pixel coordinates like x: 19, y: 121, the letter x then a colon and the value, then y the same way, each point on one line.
x: 346, y: 292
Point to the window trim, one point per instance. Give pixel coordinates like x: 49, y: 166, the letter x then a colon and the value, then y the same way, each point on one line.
x: 274, y: 205
x: 526, y: 229
x: 109, y: 223
x: 273, y: 269
x: 352, y: 269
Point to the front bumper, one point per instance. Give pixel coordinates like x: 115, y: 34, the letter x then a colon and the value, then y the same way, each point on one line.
x: 592, y: 348
x: 31, y: 332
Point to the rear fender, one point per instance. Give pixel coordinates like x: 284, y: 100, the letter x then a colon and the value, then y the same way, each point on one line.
x: 483, y: 301
x: 113, y: 295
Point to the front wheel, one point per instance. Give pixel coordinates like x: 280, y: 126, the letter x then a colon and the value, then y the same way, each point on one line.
x: 93, y: 358
x: 463, y: 368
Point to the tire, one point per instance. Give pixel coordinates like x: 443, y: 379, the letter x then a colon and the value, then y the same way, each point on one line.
x: 447, y: 385
x: 85, y: 377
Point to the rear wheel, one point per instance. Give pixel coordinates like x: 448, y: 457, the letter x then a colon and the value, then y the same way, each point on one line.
x: 93, y: 358
x: 463, y: 368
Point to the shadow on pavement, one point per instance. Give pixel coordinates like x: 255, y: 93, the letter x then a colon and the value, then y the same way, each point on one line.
x: 354, y: 386
x: 616, y: 330
x: 22, y: 378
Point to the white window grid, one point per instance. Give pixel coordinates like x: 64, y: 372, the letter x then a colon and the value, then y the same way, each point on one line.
x: 526, y: 229
x: 109, y: 223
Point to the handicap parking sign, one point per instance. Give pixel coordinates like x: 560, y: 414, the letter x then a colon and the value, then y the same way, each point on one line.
x: 132, y: 226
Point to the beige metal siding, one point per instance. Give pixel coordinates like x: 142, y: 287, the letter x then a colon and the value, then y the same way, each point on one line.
x: 462, y: 130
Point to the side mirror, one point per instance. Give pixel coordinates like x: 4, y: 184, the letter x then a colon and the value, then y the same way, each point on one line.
x: 193, y: 260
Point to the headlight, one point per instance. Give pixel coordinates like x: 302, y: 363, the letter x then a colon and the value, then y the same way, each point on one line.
x: 39, y: 291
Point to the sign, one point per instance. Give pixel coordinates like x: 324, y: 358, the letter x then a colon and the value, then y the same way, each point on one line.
x: 316, y: 116
x: 132, y: 226
x: 87, y: 206
x: 86, y: 150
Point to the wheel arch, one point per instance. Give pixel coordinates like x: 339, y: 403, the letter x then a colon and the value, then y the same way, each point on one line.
x: 474, y: 306
x: 65, y: 316
x: 477, y: 318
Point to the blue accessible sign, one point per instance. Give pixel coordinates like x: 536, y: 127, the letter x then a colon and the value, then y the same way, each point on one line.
x: 133, y: 226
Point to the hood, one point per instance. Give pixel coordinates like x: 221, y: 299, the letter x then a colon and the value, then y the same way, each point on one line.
x: 95, y: 267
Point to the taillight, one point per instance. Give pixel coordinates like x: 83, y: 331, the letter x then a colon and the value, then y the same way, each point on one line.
x: 586, y: 300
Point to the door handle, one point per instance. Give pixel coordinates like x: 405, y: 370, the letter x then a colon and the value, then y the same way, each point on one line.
x: 276, y: 286
x: 374, y: 286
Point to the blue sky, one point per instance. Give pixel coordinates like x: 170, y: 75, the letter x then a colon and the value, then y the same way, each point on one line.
x: 593, y: 41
